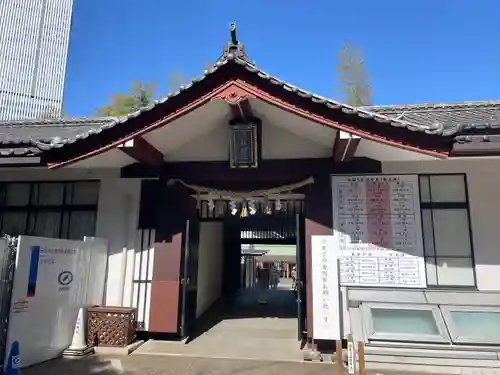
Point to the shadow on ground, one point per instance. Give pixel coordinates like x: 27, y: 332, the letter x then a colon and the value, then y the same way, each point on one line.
x: 280, y: 304
x: 173, y: 365
x: 147, y: 365
x: 93, y: 365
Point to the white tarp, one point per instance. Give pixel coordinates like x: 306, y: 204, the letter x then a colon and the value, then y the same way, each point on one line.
x: 54, y: 278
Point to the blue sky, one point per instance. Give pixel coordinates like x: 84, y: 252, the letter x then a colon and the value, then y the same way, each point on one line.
x: 416, y: 51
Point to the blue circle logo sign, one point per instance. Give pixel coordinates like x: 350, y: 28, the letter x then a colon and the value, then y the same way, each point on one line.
x: 65, y: 278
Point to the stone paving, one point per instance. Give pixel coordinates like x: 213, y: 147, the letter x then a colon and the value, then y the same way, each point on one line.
x: 253, y: 338
x: 243, y: 329
x: 170, y: 365
x: 91, y: 365
x: 175, y: 365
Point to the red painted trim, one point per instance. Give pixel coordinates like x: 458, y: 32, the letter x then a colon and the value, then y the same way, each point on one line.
x: 262, y: 95
x: 234, y: 91
x: 155, y: 125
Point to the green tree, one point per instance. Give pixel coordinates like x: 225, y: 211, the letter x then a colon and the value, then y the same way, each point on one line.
x: 353, y: 77
x: 140, y: 94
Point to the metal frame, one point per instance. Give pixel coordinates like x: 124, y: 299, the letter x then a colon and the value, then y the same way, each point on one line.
x: 372, y: 335
x: 7, y: 270
x: 455, y: 337
x: 443, y: 206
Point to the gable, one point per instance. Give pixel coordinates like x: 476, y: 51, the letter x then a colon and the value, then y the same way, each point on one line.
x: 235, y: 78
x: 278, y: 142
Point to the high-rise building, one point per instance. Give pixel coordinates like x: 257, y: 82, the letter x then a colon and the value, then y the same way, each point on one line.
x: 34, y: 41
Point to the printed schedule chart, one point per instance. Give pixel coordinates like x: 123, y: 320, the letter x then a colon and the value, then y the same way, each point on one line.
x: 377, y: 230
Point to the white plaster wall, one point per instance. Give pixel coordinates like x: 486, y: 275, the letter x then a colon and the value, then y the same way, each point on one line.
x: 117, y: 218
x: 280, y: 143
x: 483, y: 180
x: 210, y: 146
x: 277, y: 143
x: 210, y: 265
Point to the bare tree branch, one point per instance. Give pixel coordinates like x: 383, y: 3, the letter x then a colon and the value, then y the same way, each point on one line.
x: 354, y: 80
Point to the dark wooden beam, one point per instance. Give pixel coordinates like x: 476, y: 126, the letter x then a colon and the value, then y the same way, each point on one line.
x: 270, y: 173
x: 345, y: 146
x: 142, y: 151
x: 476, y: 148
x: 242, y: 110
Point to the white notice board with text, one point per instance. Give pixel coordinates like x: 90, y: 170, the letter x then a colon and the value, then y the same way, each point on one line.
x: 378, y: 230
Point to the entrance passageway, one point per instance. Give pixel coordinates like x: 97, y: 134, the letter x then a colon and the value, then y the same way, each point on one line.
x: 255, y: 315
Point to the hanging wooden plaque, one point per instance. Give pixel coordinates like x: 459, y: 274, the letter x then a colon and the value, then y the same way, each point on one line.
x: 243, y: 145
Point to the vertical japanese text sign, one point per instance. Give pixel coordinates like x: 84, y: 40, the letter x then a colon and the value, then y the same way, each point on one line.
x: 325, y: 288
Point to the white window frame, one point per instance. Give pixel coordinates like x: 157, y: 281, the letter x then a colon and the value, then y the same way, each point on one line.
x: 372, y: 335
x: 455, y: 337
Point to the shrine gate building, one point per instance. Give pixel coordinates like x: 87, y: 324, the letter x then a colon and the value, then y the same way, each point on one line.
x: 173, y: 185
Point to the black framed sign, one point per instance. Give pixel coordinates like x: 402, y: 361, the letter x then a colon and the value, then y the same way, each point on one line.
x: 243, y: 145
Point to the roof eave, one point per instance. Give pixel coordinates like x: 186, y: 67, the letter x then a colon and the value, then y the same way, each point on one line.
x: 240, y: 74
x: 476, y: 144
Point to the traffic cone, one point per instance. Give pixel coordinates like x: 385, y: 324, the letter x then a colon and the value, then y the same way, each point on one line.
x: 79, y: 347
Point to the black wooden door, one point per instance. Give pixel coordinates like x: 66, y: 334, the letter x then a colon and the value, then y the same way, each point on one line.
x: 232, y: 258
x: 189, y: 276
x: 300, y: 274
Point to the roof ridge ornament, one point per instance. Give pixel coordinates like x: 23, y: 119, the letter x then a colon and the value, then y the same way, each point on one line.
x: 234, y: 48
x: 232, y: 29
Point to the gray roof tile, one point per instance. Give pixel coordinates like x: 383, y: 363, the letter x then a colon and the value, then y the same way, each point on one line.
x: 455, y: 117
x: 231, y: 58
x: 34, y: 136
x: 31, y: 137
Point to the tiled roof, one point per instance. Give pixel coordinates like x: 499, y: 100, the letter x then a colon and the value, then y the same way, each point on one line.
x: 455, y: 117
x: 233, y: 53
x: 31, y: 137
x: 35, y: 136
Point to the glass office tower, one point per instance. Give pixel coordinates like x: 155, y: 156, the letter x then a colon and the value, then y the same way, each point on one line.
x: 34, y: 41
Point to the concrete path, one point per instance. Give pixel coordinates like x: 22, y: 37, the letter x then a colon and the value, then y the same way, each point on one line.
x: 200, y: 366
x: 249, y: 339
x: 92, y: 365
x: 243, y: 330
x: 150, y: 365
